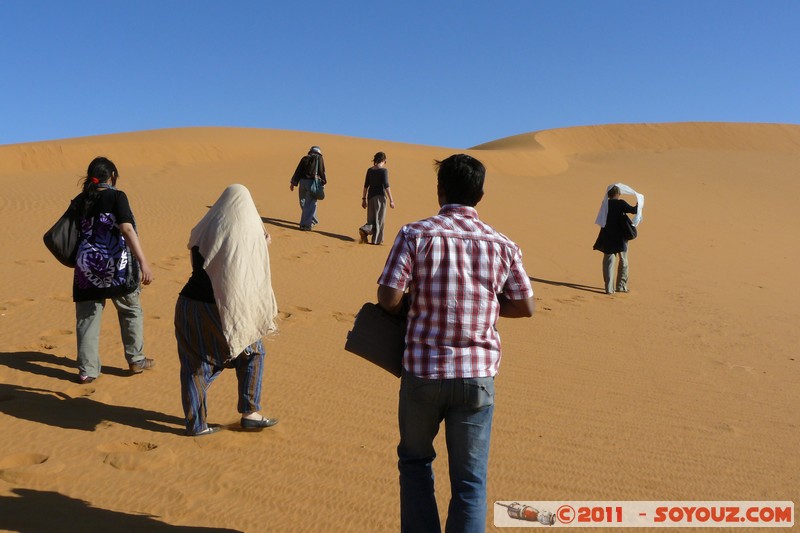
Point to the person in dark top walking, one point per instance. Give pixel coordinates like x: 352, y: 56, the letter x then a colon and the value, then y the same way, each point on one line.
x: 110, y: 264
x: 225, y: 309
x: 373, y: 199
x: 612, y: 242
x: 310, y: 167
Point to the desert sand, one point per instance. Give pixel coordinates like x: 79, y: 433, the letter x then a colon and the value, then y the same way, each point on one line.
x: 686, y: 388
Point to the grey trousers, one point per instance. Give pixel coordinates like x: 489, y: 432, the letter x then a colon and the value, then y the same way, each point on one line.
x: 622, y: 272
x: 89, y: 315
x: 376, y: 216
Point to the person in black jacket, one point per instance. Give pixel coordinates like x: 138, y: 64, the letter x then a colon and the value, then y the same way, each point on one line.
x: 612, y: 242
x: 310, y: 167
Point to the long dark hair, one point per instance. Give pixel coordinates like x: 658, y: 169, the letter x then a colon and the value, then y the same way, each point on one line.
x: 100, y: 171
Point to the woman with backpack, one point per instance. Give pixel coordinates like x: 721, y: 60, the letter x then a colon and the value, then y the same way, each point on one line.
x: 110, y: 263
x: 310, y: 168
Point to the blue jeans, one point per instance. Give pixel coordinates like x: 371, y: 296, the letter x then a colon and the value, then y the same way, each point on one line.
x: 308, y: 204
x: 466, y: 405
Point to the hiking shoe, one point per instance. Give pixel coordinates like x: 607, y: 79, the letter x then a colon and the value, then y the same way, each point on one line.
x: 83, y: 380
x: 363, y: 235
x: 140, y: 366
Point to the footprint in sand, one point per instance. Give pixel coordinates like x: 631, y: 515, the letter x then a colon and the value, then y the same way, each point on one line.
x: 79, y: 391
x: 733, y: 366
x: 286, y: 315
x: 138, y: 456
x: 24, y: 467
x: 16, y: 303
x: 26, y: 262
x: 171, y: 262
x: 344, y: 317
x: 50, y: 339
x: 298, y: 255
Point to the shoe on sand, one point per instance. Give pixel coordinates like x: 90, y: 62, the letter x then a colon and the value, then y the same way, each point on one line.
x: 208, y: 431
x: 140, y: 366
x: 249, y: 423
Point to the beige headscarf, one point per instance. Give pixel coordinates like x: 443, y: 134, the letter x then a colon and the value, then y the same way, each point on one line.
x: 232, y: 240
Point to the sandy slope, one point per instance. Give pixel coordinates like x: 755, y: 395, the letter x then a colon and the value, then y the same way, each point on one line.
x: 684, y: 389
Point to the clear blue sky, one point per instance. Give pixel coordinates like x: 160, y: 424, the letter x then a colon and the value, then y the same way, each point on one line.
x: 445, y: 73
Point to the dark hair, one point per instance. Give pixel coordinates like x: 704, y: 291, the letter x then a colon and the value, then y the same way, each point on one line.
x: 100, y: 170
x: 461, y: 178
x: 613, y: 191
x: 380, y: 157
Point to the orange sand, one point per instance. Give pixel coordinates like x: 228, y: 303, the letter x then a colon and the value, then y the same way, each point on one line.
x: 684, y: 389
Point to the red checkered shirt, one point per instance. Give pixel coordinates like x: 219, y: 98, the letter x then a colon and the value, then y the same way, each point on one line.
x: 454, y: 266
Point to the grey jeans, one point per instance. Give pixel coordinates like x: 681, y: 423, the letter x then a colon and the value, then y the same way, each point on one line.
x: 89, y: 315
x: 622, y: 272
x: 376, y: 216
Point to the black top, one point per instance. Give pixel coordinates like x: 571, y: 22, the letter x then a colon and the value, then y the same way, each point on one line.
x: 377, y: 180
x: 302, y: 172
x: 611, y: 239
x: 107, y: 200
x: 199, y: 285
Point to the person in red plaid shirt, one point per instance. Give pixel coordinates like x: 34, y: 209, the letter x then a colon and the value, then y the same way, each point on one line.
x: 455, y: 275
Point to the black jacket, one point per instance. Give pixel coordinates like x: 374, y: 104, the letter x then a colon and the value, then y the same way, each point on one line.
x: 611, y: 239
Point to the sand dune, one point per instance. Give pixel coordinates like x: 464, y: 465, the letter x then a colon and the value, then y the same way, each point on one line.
x: 685, y: 388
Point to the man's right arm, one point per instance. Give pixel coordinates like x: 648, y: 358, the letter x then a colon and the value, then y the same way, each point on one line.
x: 391, y: 300
x: 516, y: 308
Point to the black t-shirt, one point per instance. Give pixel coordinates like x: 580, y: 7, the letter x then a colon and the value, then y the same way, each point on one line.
x: 377, y: 180
x: 110, y: 201
x: 199, y: 285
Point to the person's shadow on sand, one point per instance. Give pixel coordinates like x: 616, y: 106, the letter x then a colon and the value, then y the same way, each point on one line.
x: 61, y: 410
x: 575, y: 286
x: 40, y: 363
x: 31, y: 511
x: 294, y: 226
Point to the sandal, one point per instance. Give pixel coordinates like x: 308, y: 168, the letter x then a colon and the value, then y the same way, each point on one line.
x: 249, y: 423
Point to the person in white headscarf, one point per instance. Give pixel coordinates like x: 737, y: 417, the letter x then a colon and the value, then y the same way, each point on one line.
x: 612, y: 239
x: 225, y: 309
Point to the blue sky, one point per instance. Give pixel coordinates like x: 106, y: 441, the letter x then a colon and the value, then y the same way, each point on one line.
x: 442, y: 73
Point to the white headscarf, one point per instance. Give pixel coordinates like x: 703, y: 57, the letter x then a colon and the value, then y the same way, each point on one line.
x: 624, y: 189
x: 231, y: 239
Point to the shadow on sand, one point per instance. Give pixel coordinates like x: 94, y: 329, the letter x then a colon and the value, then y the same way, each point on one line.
x: 575, y: 286
x: 61, y: 410
x: 39, y: 363
x: 296, y: 227
x: 34, y: 511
